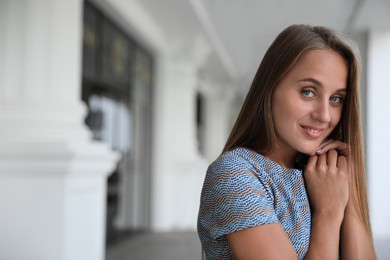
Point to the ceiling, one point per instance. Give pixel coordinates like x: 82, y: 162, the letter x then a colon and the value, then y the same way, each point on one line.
x: 240, y: 31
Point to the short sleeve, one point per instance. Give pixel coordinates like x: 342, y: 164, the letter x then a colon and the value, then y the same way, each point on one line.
x: 234, y: 197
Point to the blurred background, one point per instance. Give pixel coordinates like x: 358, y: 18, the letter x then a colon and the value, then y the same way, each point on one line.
x: 111, y: 111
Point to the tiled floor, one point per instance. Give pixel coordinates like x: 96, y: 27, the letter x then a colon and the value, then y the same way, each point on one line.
x: 180, y: 246
x: 161, y: 246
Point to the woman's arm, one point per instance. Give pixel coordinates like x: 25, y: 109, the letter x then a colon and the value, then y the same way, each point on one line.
x: 324, y: 238
x: 271, y: 242
x: 268, y: 241
x: 355, y: 241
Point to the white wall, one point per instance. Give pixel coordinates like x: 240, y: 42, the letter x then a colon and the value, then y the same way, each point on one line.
x: 378, y: 139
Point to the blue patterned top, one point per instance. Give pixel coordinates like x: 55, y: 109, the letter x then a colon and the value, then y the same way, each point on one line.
x: 244, y: 189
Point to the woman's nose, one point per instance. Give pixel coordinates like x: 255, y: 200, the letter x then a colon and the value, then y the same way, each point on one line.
x: 321, y: 112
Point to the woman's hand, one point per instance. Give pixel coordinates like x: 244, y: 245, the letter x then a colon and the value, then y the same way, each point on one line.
x: 326, y: 178
x: 330, y: 144
x: 343, y: 149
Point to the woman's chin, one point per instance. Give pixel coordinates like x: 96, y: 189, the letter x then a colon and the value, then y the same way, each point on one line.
x: 310, y: 152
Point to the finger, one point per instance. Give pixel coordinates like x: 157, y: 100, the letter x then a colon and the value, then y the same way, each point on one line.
x: 340, y: 147
x: 311, y: 162
x: 322, y: 160
x: 342, y: 165
x: 326, y: 141
x: 342, y: 162
x: 323, y: 144
x: 332, y: 158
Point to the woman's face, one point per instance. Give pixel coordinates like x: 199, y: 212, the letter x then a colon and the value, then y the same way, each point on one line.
x: 307, y: 103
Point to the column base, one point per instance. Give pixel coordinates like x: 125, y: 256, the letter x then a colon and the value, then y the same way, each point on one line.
x: 53, y: 197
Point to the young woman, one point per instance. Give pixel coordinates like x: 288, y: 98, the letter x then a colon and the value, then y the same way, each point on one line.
x: 290, y: 183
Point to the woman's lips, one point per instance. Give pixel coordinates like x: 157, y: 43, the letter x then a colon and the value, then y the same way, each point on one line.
x: 313, y: 132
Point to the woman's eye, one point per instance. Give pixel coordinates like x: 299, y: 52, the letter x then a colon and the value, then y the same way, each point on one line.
x: 307, y: 93
x: 336, y: 100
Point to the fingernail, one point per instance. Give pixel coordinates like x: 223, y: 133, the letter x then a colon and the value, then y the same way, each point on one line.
x: 318, y: 151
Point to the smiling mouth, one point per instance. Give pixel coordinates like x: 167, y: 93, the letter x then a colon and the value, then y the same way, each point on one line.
x: 313, y: 132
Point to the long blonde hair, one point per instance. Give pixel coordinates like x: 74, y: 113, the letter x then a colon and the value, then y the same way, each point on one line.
x: 254, y: 127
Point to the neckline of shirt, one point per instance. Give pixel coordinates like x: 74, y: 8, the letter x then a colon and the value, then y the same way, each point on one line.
x: 264, y: 160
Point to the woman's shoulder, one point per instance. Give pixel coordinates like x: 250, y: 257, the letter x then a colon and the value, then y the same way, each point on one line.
x: 229, y: 159
x: 243, y: 161
x: 233, y: 187
x: 241, y: 158
x: 237, y: 163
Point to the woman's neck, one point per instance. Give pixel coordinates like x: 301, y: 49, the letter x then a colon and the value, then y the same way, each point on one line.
x: 283, y: 157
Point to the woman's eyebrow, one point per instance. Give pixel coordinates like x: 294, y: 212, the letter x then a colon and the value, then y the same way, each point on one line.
x: 318, y: 83
x: 311, y: 80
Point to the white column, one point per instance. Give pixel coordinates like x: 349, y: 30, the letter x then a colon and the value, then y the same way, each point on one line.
x: 178, y: 170
x: 378, y: 139
x: 218, y: 116
x: 52, y: 176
